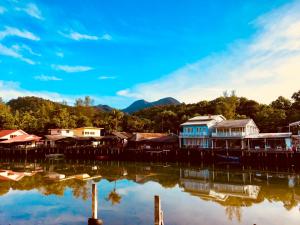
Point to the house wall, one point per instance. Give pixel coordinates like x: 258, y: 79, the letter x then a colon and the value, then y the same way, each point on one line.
x: 62, y: 132
x: 87, y: 132
x: 195, y: 135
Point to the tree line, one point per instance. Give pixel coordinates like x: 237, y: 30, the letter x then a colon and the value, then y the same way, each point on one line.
x: 37, y: 115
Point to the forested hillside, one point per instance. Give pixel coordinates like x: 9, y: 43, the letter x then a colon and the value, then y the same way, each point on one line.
x: 37, y: 115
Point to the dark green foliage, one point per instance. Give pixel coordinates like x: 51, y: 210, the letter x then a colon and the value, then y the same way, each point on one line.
x: 37, y: 115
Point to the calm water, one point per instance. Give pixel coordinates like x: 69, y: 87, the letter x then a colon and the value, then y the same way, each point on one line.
x: 190, y: 195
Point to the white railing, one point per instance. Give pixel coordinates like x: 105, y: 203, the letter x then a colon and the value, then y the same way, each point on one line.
x: 227, y: 134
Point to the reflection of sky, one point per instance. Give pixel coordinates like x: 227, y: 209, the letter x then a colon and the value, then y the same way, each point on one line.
x: 136, y: 207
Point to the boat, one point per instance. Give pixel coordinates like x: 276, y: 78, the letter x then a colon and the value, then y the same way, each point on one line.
x: 228, y: 158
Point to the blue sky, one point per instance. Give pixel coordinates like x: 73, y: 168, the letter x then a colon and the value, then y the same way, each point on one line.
x: 120, y: 51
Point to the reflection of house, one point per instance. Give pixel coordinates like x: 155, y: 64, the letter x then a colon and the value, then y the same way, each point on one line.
x: 204, y: 184
x: 196, y: 131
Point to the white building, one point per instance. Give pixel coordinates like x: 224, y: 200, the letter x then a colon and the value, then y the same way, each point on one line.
x: 62, y: 132
x: 88, y: 132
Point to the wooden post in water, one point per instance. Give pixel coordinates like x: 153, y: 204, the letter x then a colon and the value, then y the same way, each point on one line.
x: 94, y: 220
x: 158, y: 213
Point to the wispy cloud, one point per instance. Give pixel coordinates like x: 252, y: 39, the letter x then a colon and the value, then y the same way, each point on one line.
x: 23, y: 47
x: 107, y: 37
x: 106, y: 78
x: 47, y: 78
x: 10, y: 90
x: 32, y: 10
x: 13, y: 53
x: 60, y: 54
x: 2, y: 9
x: 262, y: 68
x: 80, y: 36
x: 72, y: 69
x: 12, y: 31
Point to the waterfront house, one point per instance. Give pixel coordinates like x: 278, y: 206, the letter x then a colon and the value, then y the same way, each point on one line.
x: 196, y: 132
x: 116, y: 139
x: 148, y: 141
x: 87, y: 132
x: 22, y: 141
x: 9, y: 134
x: 61, y: 132
x: 232, y: 133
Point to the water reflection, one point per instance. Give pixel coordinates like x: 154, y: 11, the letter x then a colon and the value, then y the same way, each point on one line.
x: 189, y: 194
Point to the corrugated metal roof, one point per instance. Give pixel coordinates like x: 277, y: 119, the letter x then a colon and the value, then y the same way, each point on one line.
x: 207, y: 118
x: 196, y: 123
x: 22, y: 138
x: 7, y: 132
x: 146, y: 136
x: 269, y: 135
x: 203, y: 120
x: 233, y: 123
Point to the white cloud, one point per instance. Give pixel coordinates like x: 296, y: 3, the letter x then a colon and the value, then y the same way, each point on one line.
x: 23, y: 47
x: 32, y: 10
x: 13, y: 53
x: 10, y: 90
x: 106, y: 78
x: 79, y: 36
x: 2, y: 9
x: 47, y: 78
x: 261, y: 68
x: 106, y: 37
x: 12, y: 31
x: 72, y: 69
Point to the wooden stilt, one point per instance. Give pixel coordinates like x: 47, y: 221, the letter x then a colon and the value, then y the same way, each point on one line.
x: 158, y: 213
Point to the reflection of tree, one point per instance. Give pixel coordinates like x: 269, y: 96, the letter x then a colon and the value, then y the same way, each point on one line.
x: 234, y: 211
x: 113, y: 196
x: 80, y: 189
x: 4, y: 188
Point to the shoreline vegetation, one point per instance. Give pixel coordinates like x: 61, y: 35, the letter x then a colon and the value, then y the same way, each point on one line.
x: 36, y: 115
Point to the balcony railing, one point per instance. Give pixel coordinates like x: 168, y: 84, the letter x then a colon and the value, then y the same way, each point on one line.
x: 193, y: 135
x: 227, y: 134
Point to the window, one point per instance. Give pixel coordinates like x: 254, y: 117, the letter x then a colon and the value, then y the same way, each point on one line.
x: 12, y: 136
x: 67, y: 131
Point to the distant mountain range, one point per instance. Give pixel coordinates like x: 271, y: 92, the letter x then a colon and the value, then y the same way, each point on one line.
x: 105, y: 108
x: 141, y: 104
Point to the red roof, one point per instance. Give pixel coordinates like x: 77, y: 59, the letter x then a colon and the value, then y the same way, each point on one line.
x: 22, y: 138
x: 6, y: 132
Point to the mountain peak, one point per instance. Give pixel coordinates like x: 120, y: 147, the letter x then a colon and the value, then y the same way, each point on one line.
x: 143, y: 104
